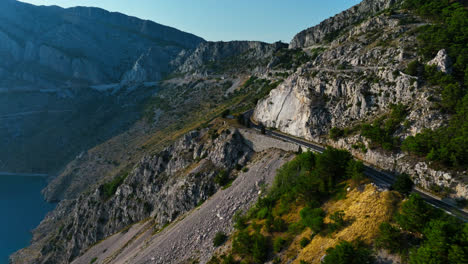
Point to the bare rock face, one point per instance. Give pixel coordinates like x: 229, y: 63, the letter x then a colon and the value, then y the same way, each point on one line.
x: 350, y: 81
x: 161, y: 186
x: 333, y: 25
x: 355, y: 79
x: 442, y: 62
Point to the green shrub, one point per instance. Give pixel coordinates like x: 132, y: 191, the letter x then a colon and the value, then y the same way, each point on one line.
x: 414, y: 68
x: 263, y: 213
x: 381, y: 131
x: 222, y: 178
x: 93, y: 260
x: 336, y: 133
x: 403, y: 184
x: 219, y: 239
x: 348, y: 253
x: 338, y: 221
x: 240, y: 220
x: 225, y: 113
x: 446, y: 145
x: 289, y: 175
x: 275, y: 224
x: 229, y: 259
x: 253, y: 246
x: 312, y: 218
x: 304, y: 242
x: 389, y: 238
x: 442, y: 242
x: 360, y: 146
x: 448, y: 31
x: 296, y: 228
x: 330, y: 168
x: 259, y: 248
x: 451, y: 95
x: 355, y: 171
x: 108, y: 189
x: 278, y: 244
x: 241, y: 243
x: 415, y: 213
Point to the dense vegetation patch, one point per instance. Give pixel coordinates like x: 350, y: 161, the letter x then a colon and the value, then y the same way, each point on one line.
x: 403, y: 184
x: 447, y: 145
x: 417, y: 231
x: 308, y: 180
x: 449, y: 31
x: 348, y: 253
x: 423, y: 234
x: 381, y: 131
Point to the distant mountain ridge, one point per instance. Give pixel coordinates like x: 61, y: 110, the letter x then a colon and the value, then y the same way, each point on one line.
x: 68, y: 79
x: 51, y: 46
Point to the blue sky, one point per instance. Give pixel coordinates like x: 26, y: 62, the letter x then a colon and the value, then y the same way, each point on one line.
x: 265, y: 20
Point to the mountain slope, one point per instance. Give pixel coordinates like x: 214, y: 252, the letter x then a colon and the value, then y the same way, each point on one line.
x: 360, y: 88
x: 68, y: 79
x: 82, y: 45
x: 360, y: 93
x: 184, y: 101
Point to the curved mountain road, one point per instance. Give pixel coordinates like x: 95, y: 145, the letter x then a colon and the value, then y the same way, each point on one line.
x: 379, y: 177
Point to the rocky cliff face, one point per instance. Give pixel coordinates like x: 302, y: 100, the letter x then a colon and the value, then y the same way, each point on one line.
x: 334, y: 25
x: 352, y: 79
x: 355, y: 79
x: 210, y: 57
x: 174, y: 103
x: 160, y: 187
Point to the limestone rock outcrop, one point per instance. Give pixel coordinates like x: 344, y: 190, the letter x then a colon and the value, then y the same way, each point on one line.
x: 442, y: 62
x: 354, y: 80
x: 334, y: 25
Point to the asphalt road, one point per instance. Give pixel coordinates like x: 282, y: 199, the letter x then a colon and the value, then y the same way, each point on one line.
x: 379, y: 177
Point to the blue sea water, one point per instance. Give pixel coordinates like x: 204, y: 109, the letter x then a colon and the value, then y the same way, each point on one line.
x: 22, y: 208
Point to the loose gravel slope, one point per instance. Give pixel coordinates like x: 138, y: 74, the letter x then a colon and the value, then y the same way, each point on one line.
x: 192, y: 235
